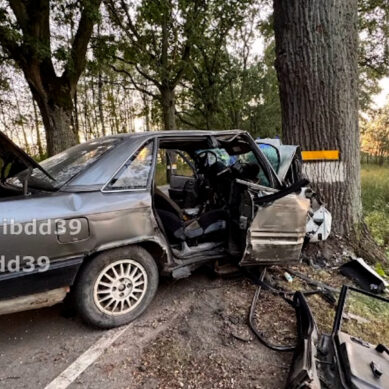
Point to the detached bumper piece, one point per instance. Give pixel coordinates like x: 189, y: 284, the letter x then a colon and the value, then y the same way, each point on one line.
x: 367, y: 278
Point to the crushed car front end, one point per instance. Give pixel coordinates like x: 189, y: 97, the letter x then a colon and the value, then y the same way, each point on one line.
x: 286, y: 161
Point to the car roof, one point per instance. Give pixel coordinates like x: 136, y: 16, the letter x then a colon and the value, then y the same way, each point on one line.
x: 152, y: 134
x: 105, y: 167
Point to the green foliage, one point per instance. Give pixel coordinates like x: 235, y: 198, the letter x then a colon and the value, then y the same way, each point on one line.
x: 375, y: 134
x: 154, y: 36
x: 227, y: 86
x: 380, y: 270
x: 373, y: 47
x: 375, y: 200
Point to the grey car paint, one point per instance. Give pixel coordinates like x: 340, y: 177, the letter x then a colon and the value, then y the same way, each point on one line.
x: 318, y: 226
x: 112, y: 218
x: 277, y: 233
x: 116, y: 218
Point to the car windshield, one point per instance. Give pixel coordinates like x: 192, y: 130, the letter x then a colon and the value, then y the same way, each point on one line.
x: 229, y: 159
x: 66, y: 165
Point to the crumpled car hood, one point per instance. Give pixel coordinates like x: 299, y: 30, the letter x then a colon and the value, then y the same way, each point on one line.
x: 15, y: 159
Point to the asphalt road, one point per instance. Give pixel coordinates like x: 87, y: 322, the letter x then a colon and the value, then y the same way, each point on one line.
x: 37, y: 346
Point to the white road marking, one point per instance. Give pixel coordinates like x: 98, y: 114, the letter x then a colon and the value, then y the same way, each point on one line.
x: 72, y: 372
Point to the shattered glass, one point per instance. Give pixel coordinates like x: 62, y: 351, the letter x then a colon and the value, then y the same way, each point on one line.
x: 66, y: 165
x: 135, y: 174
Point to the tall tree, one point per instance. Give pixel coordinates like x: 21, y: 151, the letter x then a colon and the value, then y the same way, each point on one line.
x: 317, y: 67
x: 25, y: 35
x: 216, y: 78
x: 156, y: 40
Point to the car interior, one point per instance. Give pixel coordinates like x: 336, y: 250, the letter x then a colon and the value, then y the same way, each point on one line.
x: 197, y: 200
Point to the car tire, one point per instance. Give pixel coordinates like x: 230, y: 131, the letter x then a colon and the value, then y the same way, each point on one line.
x: 116, y: 287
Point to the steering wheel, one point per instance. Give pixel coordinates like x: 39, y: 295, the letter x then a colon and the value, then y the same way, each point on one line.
x: 203, y: 155
x: 235, y: 168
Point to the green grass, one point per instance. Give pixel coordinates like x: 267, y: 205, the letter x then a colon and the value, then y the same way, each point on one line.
x: 375, y: 200
x: 371, y: 320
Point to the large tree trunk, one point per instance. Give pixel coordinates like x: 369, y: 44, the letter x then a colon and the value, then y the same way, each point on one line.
x: 168, y: 108
x: 30, y: 47
x: 59, y: 134
x: 316, y: 62
x: 56, y: 110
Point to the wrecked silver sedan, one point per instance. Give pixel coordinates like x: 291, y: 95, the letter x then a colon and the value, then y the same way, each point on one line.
x: 105, y: 218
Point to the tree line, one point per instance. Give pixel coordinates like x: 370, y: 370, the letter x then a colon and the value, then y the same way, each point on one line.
x: 74, y: 70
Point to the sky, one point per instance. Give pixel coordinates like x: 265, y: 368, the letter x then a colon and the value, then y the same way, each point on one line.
x: 382, y: 98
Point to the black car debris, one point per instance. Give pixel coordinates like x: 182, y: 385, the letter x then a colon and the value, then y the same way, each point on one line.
x: 342, y: 359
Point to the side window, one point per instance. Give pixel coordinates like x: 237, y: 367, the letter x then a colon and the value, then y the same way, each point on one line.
x: 161, y: 169
x: 136, y: 172
x: 179, y: 164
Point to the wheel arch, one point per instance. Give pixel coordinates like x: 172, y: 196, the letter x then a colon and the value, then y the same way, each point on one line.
x: 153, y: 245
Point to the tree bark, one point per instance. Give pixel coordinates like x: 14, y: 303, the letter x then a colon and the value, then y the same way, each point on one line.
x: 168, y: 105
x: 53, y: 94
x: 316, y: 63
x: 56, y: 111
x: 21, y: 119
x: 76, y: 118
x: 38, y: 134
x: 100, y: 103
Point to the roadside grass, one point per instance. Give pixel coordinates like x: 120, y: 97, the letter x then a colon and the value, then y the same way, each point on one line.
x: 368, y: 316
x: 375, y: 200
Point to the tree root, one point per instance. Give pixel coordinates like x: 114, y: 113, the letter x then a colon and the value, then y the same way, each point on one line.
x: 367, y: 248
x: 360, y: 243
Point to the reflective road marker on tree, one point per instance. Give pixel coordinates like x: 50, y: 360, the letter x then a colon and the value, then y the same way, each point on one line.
x: 323, y: 166
x: 319, y: 155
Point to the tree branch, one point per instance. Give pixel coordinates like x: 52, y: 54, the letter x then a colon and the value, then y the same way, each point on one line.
x: 128, y: 28
x: 140, y: 71
x: 77, y: 61
x: 19, y: 9
x: 188, y: 122
x: 136, y: 85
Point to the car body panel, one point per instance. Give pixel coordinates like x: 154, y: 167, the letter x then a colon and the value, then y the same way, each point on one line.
x: 59, y: 274
x: 111, y: 216
x: 303, y: 372
x: 288, y: 169
x: 113, y: 220
x: 277, y: 233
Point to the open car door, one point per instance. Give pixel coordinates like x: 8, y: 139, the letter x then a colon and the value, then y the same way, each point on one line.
x: 278, y: 224
x: 354, y: 356
x: 182, y: 178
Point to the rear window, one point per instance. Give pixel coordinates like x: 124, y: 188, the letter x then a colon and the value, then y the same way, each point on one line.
x: 66, y: 165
